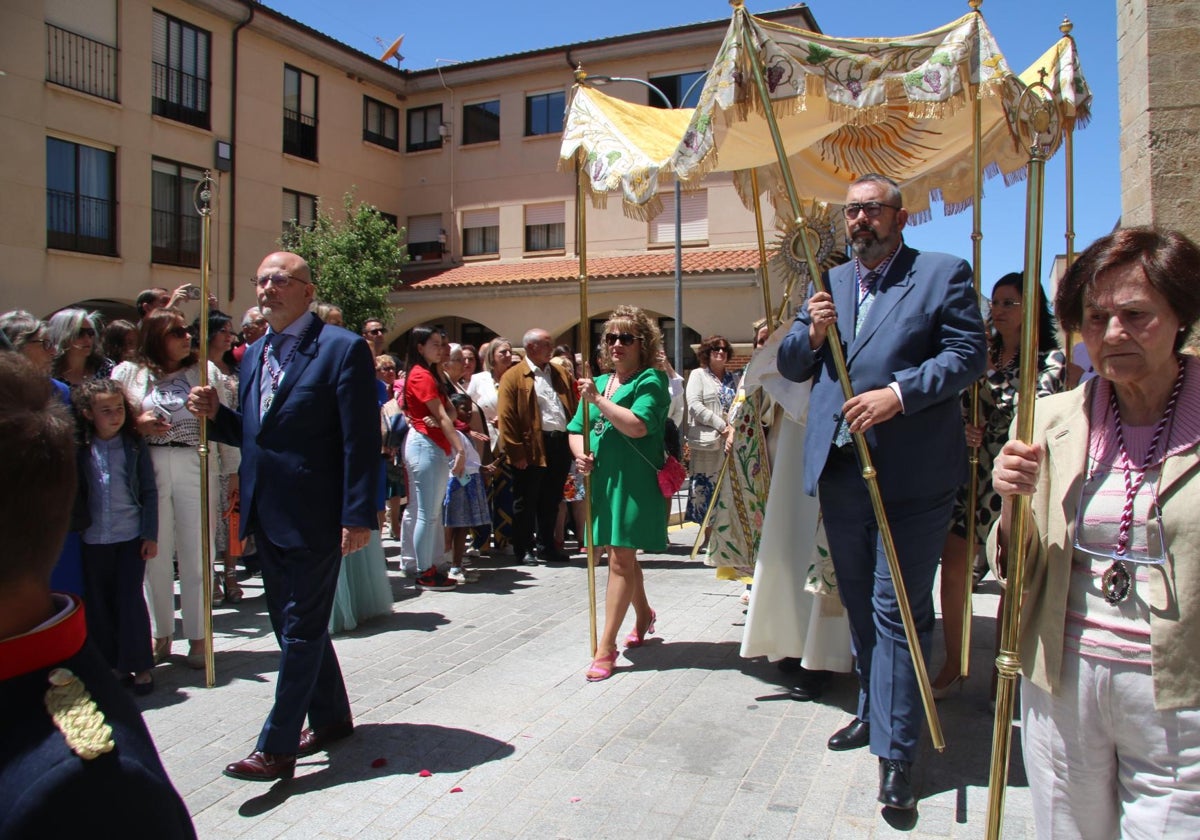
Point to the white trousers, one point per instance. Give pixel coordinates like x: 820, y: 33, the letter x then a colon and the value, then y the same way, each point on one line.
x: 177, y: 472
x: 1103, y: 763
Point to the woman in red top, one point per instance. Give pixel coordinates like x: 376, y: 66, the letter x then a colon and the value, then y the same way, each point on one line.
x: 430, y: 440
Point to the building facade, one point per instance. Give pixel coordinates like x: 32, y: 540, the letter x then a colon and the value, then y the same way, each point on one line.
x: 114, y: 110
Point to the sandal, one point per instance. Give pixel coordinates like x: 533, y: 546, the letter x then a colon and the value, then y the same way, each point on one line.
x: 233, y: 590
x: 602, y: 667
x: 218, y: 597
x: 636, y: 639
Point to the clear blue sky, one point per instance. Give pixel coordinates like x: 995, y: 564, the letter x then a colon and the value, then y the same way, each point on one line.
x: 464, y: 30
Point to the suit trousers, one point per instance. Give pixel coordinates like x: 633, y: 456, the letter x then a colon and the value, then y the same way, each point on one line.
x: 177, y: 474
x: 537, y: 492
x: 300, y: 587
x: 117, y: 620
x: 888, y: 698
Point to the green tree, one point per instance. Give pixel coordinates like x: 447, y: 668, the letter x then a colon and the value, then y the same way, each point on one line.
x: 355, y: 262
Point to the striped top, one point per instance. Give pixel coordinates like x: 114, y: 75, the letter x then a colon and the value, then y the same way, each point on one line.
x: 1095, y: 628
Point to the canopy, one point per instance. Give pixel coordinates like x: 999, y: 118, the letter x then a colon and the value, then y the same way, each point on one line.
x: 845, y: 107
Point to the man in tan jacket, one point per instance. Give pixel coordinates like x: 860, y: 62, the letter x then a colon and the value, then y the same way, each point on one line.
x: 535, y: 402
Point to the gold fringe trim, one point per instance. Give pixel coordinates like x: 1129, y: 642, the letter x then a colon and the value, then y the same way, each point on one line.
x: 643, y: 212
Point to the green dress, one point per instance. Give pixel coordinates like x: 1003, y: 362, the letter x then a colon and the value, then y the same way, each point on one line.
x: 628, y: 509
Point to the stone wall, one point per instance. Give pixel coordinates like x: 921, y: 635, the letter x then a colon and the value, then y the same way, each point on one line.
x: 1157, y: 45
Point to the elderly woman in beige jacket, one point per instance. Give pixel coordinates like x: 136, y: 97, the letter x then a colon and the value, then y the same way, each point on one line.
x: 1110, y: 623
x: 710, y: 391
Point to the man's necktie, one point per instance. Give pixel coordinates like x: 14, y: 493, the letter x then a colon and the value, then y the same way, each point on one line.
x: 866, y: 287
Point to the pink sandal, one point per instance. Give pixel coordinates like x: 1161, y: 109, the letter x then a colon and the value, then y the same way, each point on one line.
x: 636, y: 639
x: 602, y: 667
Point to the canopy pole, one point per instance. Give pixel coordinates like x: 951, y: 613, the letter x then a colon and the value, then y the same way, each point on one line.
x: 585, y: 351
x: 1042, y: 121
x: 1069, y: 166
x: 968, y: 612
x: 834, y: 343
x: 202, y: 199
x: 762, y: 250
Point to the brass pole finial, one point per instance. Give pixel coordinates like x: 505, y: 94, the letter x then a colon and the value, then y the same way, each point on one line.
x: 579, y: 74
x: 1066, y: 26
x: 737, y: 4
x: 974, y: 4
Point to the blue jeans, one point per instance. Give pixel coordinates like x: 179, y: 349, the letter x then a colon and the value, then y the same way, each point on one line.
x: 428, y: 474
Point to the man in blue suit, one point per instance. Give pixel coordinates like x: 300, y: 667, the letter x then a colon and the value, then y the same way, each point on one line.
x: 914, y: 339
x: 309, y: 434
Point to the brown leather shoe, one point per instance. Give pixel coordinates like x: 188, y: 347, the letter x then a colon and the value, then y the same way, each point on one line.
x: 319, y: 738
x: 263, y: 767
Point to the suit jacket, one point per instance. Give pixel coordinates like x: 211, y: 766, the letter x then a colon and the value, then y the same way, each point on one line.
x: 925, y: 332
x: 49, y: 790
x: 519, y: 415
x: 310, y: 465
x: 1061, y: 424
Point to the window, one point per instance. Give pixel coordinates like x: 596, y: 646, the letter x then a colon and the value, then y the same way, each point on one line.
x: 675, y: 87
x: 544, y: 227
x: 381, y: 124
x: 81, y: 51
x: 544, y: 113
x: 426, y: 239
x: 391, y: 219
x: 693, y: 216
x: 481, y: 232
x: 424, y: 128
x: 81, y: 204
x: 299, y: 210
x: 174, y: 223
x: 299, y: 113
x: 481, y: 122
x: 180, y: 62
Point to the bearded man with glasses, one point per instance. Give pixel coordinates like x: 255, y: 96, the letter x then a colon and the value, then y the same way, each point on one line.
x: 913, y: 339
x: 309, y: 434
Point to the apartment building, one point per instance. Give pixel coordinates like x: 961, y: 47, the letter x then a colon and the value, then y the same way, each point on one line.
x: 113, y: 110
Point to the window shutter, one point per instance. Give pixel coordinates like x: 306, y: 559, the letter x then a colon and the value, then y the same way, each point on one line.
x: 693, y: 218
x: 544, y: 214
x: 159, y: 39
x: 424, y: 228
x: 481, y: 218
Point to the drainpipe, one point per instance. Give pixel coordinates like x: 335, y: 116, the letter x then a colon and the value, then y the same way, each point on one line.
x: 234, y: 145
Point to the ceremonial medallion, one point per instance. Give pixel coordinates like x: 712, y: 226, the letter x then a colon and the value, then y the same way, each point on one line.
x: 1116, y: 582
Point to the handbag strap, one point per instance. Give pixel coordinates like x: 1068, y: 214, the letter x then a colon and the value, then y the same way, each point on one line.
x: 643, y: 457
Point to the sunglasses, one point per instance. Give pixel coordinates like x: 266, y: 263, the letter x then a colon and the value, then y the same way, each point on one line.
x: 724, y: 350
x: 280, y: 279
x: 178, y: 332
x: 376, y: 331
x: 624, y: 338
x: 871, y: 208
x: 86, y: 332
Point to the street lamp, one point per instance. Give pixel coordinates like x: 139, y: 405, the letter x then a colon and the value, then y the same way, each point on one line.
x: 604, y: 80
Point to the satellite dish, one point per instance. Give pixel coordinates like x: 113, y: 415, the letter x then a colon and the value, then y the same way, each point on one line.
x: 393, y: 51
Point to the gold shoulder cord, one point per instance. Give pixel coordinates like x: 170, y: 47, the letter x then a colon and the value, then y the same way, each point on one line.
x: 76, y: 715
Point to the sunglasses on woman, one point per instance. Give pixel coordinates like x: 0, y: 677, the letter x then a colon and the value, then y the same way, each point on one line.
x: 624, y: 338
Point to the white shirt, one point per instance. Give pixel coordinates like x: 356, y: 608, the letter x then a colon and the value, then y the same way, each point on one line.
x: 554, y: 416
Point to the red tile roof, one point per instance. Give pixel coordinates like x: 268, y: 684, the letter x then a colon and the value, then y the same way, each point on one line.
x: 540, y: 271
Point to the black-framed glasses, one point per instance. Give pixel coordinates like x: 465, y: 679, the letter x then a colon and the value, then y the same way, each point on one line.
x: 624, y: 338
x: 46, y: 343
x: 1008, y: 303
x: 85, y: 332
x: 178, y: 332
x: 871, y: 208
x: 280, y: 279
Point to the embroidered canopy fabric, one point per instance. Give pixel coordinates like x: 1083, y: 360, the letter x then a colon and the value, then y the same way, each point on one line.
x: 901, y: 107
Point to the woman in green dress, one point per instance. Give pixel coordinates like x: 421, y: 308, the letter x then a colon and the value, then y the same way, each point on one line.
x: 627, y: 408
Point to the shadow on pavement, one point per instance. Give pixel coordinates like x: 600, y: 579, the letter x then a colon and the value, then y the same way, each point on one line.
x: 385, y: 749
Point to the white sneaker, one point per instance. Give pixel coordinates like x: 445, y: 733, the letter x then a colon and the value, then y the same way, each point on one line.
x: 462, y: 576
x: 472, y: 552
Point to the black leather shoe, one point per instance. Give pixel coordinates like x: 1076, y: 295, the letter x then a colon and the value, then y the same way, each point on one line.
x: 320, y: 737
x: 263, y: 767
x: 857, y: 734
x: 810, y: 685
x: 530, y: 559
x: 895, y: 790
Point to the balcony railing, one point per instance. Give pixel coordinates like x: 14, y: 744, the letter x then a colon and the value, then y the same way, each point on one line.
x: 81, y: 223
x: 175, y: 238
x: 180, y: 96
x: 299, y: 134
x: 80, y: 63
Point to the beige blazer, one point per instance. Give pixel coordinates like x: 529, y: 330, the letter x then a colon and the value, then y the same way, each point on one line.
x: 1061, y: 426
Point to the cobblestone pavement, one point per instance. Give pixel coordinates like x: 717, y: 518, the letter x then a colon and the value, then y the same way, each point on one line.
x: 483, y: 688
